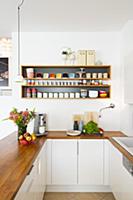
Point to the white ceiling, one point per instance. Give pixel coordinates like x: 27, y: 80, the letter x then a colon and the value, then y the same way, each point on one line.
x: 65, y: 15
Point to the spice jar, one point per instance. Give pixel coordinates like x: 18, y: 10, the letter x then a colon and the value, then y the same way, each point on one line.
x: 28, y: 93
x: 83, y: 93
x: 34, y: 92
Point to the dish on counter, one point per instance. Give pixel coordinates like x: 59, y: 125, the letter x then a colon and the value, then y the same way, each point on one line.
x: 73, y: 133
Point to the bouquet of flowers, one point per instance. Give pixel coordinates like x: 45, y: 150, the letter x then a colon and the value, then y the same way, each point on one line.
x: 22, y: 119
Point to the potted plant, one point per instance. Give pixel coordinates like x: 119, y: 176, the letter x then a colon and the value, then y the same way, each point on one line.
x: 92, y: 128
x: 21, y: 119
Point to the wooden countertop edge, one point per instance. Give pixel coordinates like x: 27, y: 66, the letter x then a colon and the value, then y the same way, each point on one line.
x: 36, y: 149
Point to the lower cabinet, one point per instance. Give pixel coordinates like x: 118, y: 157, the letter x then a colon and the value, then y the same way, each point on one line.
x: 121, y: 181
x: 90, y: 162
x: 64, y: 162
x: 34, y: 184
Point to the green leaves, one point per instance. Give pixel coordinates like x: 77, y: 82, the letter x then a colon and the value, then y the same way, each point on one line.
x: 91, y: 128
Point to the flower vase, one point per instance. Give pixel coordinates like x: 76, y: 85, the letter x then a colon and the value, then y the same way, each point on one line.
x: 21, y: 130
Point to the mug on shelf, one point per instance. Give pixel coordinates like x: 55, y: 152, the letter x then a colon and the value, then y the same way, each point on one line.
x: 30, y: 73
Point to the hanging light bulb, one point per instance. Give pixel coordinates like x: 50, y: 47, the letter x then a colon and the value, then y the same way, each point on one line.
x: 19, y: 78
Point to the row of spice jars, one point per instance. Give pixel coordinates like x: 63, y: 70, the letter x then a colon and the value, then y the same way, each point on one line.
x: 84, y: 93
x: 63, y: 83
x: 33, y: 93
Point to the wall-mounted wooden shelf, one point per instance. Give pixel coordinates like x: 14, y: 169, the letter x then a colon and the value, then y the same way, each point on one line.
x: 40, y: 85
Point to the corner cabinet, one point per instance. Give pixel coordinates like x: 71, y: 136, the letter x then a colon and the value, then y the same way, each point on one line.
x: 66, y: 82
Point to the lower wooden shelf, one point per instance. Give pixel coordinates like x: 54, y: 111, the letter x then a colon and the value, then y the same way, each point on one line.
x: 67, y: 98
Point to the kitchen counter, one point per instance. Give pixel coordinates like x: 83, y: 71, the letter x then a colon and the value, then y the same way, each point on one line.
x: 15, y: 163
x: 16, y: 160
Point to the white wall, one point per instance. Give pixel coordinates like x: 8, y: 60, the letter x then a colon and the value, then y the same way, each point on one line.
x: 127, y: 64
x: 45, y: 48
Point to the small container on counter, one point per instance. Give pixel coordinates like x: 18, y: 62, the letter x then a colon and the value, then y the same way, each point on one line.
x: 81, y: 124
x: 75, y: 126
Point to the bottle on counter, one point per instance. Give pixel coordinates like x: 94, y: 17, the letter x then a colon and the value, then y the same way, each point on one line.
x: 81, y: 124
x: 75, y: 126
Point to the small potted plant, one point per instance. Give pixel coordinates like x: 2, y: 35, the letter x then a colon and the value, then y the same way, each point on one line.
x: 22, y: 119
x: 92, y: 128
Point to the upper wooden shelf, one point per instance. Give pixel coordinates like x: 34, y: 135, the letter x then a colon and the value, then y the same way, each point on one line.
x: 66, y: 66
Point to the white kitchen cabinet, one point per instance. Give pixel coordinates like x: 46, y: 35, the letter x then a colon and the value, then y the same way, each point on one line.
x: 34, y: 185
x: 121, y: 180
x: 106, y: 162
x: 90, y: 162
x: 64, y: 162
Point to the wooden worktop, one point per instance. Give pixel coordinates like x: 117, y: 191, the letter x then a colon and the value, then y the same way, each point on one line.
x: 16, y: 160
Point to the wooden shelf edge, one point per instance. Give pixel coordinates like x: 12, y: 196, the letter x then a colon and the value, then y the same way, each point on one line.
x: 68, y: 86
x: 67, y: 79
x: 67, y: 98
x: 66, y: 66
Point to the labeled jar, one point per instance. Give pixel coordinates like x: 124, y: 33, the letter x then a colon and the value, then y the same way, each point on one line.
x: 105, y: 75
x: 72, y: 95
x: 77, y: 95
x: 39, y: 94
x: 28, y: 93
x: 55, y: 95
x: 30, y: 73
x: 83, y: 93
x: 94, y: 75
x: 61, y: 95
x: 88, y: 75
x: 50, y: 95
x: 34, y: 92
x: 45, y: 95
x: 100, y: 75
x: 66, y: 95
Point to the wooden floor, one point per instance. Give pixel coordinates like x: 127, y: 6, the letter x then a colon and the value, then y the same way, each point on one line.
x: 78, y: 196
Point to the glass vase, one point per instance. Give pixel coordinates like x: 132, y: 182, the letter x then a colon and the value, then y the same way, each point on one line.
x: 21, y: 130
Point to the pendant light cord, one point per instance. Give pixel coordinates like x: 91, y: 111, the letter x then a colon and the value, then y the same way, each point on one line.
x: 19, y: 29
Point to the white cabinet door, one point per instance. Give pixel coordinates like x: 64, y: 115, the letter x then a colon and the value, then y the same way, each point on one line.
x: 106, y: 162
x: 90, y: 164
x: 64, y: 162
x: 121, y: 180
